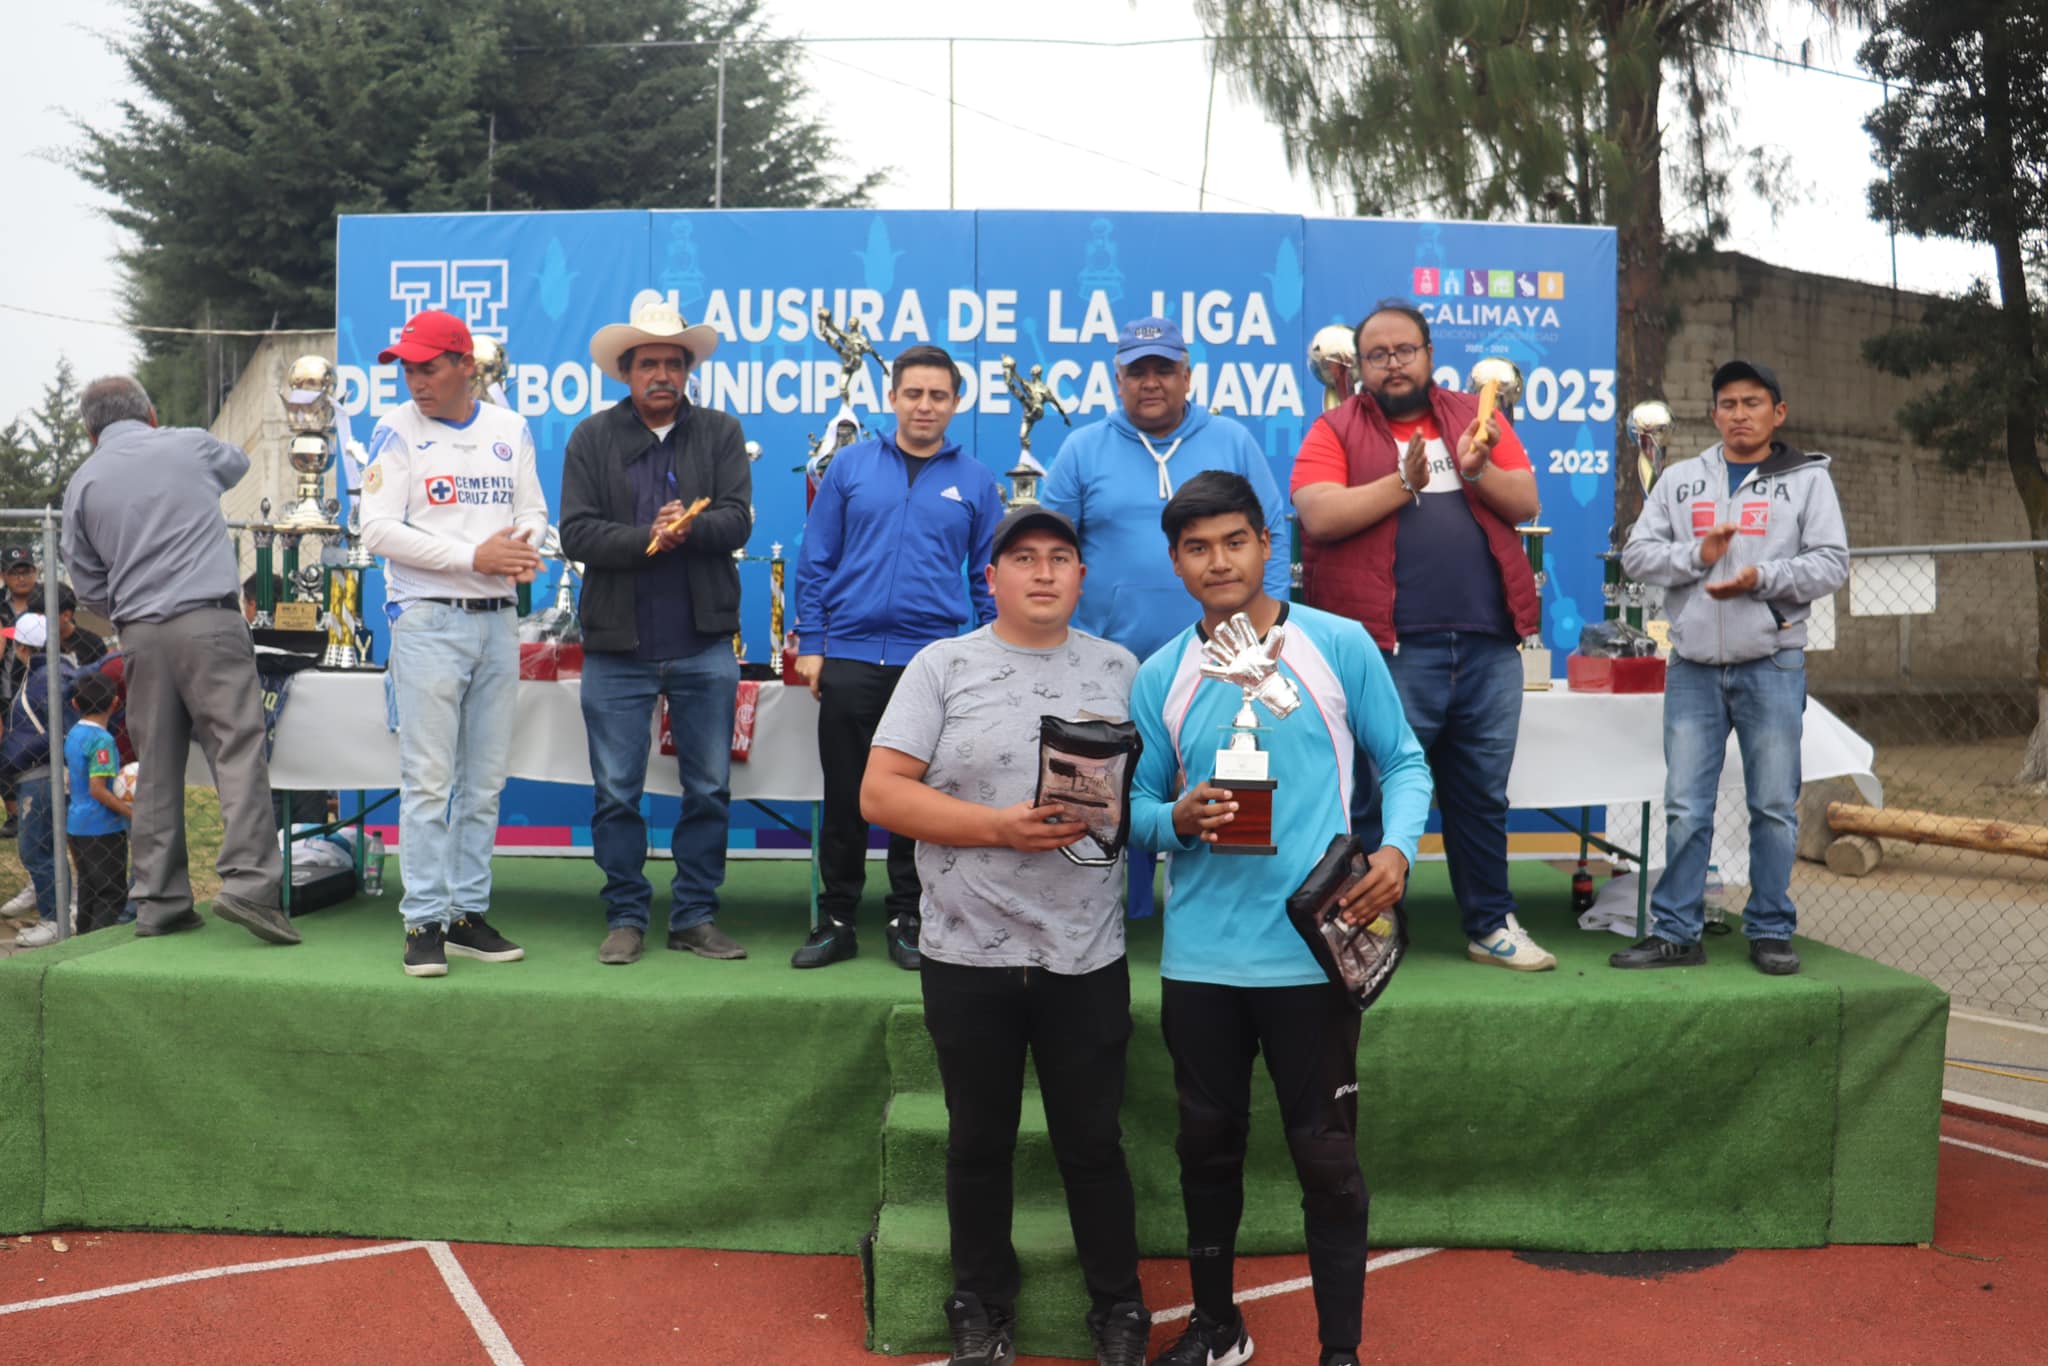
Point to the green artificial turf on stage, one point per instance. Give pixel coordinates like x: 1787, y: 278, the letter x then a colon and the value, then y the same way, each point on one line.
x: 207, y: 1080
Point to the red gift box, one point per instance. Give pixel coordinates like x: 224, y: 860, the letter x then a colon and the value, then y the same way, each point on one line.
x: 1595, y: 673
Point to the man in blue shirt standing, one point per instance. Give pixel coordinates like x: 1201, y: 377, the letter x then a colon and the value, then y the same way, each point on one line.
x: 1112, y: 477
x: 898, y: 522
x: 1238, y: 980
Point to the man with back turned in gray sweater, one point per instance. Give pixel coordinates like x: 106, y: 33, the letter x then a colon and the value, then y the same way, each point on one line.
x: 146, y: 545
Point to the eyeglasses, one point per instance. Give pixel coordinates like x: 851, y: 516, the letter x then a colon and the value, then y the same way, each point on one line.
x: 1379, y: 358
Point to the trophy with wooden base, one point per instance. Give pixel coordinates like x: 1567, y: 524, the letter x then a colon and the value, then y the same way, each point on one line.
x: 1236, y: 655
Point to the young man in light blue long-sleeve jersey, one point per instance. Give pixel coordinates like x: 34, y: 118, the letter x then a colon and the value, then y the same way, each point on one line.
x: 1239, y: 981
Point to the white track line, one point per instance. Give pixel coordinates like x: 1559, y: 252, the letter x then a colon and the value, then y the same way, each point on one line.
x: 1998, y: 1020
x: 1379, y: 1263
x: 212, y: 1273
x: 1996, y: 1152
x: 480, y: 1317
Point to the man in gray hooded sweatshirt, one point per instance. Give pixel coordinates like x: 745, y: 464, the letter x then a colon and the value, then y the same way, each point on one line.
x: 1743, y: 538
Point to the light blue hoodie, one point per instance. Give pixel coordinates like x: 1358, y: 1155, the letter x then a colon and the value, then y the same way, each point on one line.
x: 1107, y: 480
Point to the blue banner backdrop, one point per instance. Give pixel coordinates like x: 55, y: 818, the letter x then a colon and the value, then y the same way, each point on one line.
x: 1047, y: 288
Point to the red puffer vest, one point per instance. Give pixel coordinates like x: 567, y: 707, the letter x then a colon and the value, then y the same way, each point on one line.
x: 1354, y: 577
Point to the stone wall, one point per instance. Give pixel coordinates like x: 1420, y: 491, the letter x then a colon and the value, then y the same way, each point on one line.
x: 1810, y: 329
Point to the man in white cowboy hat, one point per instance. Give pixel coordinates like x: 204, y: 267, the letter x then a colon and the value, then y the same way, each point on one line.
x: 656, y: 497
x: 452, y: 501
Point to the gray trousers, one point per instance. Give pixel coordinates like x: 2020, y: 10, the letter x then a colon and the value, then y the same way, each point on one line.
x: 193, y: 677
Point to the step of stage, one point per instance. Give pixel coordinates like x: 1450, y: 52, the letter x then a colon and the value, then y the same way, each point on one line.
x: 913, y: 1274
x: 914, y: 1150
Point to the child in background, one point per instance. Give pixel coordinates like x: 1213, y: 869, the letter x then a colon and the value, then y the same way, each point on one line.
x: 96, y: 819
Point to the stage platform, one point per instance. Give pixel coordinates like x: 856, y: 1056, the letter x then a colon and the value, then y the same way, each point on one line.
x: 208, y: 1081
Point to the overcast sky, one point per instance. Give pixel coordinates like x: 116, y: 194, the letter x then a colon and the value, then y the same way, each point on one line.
x: 1039, y: 126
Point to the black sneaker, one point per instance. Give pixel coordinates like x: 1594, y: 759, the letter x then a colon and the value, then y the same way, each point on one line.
x: 1774, y: 957
x: 471, y: 937
x: 902, y: 936
x: 426, y: 953
x: 1120, y: 1333
x: 981, y: 1335
x: 1333, y: 1357
x: 1659, y: 953
x: 830, y: 943
x: 1209, y: 1343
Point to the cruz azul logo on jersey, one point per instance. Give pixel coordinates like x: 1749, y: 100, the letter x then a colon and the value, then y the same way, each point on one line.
x: 501, y: 450
x: 472, y: 490
x: 474, y: 291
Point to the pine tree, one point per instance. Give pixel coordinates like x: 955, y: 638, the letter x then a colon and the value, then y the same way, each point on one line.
x: 260, y: 121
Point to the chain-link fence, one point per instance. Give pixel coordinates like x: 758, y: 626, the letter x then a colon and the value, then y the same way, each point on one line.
x: 66, y: 769
x: 1930, y: 655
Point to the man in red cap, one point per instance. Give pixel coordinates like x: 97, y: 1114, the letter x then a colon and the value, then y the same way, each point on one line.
x: 452, y: 501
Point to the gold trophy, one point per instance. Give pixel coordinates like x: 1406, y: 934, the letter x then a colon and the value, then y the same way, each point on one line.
x: 1333, y: 360
x: 1649, y: 431
x: 1234, y: 654
x: 493, y: 369
x: 1033, y: 397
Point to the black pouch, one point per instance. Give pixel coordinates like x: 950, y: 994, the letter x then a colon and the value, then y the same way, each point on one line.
x: 1087, y: 766
x: 1359, y: 958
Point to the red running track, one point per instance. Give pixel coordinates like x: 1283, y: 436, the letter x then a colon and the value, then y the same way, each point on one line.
x: 1979, y: 1294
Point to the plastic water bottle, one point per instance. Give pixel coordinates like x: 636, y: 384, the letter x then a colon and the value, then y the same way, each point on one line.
x: 1715, y: 901
x: 373, y: 866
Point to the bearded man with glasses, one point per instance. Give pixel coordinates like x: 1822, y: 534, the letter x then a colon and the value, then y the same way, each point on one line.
x: 1408, y: 510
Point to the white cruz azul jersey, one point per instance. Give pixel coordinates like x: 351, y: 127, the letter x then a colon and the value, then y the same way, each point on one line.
x: 433, y: 490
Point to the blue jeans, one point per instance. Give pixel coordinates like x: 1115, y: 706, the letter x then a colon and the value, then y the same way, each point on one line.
x: 454, y: 676
x: 1765, y: 701
x: 39, y: 844
x: 618, y: 720
x: 1463, y: 696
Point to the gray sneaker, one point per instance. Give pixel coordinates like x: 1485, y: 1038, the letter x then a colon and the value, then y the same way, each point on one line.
x: 706, y: 941
x: 622, y: 945
x: 267, y: 923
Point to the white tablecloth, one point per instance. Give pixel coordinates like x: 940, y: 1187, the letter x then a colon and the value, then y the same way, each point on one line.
x: 1576, y: 749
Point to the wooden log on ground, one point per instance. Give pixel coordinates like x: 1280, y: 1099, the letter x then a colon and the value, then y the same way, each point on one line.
x: 1814, y: 835
x: 1854, y: 855
x: 1924, y: 827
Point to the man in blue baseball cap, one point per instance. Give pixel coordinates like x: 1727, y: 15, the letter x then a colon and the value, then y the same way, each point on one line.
x: 1113, y: 477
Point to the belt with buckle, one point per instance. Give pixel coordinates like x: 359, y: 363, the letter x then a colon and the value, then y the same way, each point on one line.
x: 474, y: 604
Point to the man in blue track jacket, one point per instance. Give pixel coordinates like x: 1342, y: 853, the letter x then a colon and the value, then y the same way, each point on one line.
x: 884, y: 572
x: 1239, y: 981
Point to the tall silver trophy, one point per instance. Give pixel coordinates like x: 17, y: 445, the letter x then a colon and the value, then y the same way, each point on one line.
x: 1234, y: 654
x: 1333, y: 361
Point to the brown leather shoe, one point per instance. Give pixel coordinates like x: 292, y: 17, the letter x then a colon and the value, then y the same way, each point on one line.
x: 187, y: 919
x: 706, y: 941
x: 267, y: 923
x: 621, y: 946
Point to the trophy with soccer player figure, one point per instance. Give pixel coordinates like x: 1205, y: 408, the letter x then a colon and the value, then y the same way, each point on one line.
x: 854, y: 350
x: 1333, y: 361
x: 1033, y: 397
x: 1234, y: 654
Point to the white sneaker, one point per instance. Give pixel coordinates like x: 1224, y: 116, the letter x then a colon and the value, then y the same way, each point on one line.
x: 35, y: 936
x: 1511, y: 947
x: 22, y: 902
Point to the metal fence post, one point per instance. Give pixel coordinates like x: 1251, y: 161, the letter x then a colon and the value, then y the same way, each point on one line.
x: 60, y: 772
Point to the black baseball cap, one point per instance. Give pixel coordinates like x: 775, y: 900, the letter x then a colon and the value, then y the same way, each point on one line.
x: 16, y: 555
x: 1032, y: 517
x: 1742, y: 369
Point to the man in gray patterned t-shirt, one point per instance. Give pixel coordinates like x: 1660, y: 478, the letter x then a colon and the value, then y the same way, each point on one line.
x: 1022, y: 948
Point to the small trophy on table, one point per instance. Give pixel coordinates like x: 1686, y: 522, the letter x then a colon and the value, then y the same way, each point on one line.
x: 1235, y: 654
